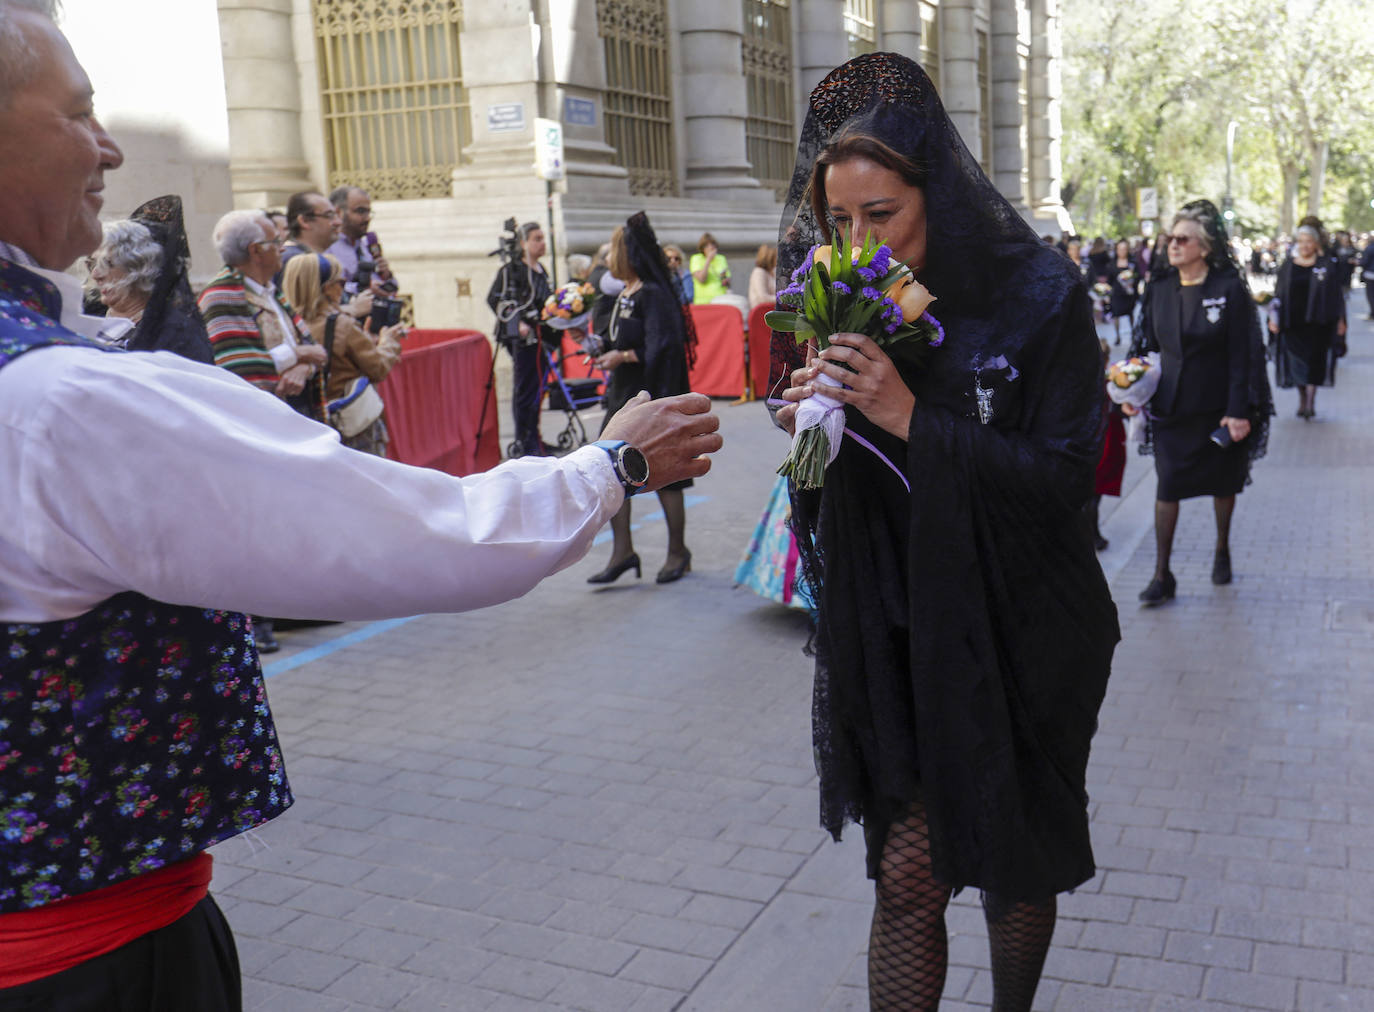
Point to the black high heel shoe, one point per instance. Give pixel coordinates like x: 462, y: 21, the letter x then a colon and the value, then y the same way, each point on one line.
x: 1221, y: 568
x: 613, y: 572
x: 1159, y: 591
x: 667, y: 575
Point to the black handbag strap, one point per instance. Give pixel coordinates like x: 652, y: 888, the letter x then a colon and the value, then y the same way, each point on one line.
x: 329, y: 326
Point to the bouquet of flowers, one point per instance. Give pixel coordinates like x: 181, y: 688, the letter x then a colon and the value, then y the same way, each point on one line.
x: 1102, y: 290
x: 570, y: 306
x: 854, y: 290
x: 1133, y: 381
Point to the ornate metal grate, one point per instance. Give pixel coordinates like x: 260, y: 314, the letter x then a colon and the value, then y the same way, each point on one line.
x: 861, y: 26
x: 769, y: 131
x: 391, y: 92
x: 639, y: 97
x: 930, y: 41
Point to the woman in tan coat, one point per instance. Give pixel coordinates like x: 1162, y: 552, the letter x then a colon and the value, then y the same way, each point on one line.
x: 357, y: 361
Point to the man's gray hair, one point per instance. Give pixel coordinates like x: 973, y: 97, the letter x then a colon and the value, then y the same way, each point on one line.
x: 238, y: 230
x: 128, y: 246
x: 18, y: 62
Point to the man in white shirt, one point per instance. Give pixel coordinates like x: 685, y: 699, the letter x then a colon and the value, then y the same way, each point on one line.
x: 136, y: 491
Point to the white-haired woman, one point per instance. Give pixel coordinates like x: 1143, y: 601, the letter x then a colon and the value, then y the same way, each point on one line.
x: 139, y: 274
x: 1309, y: 327
x: 314, y: 285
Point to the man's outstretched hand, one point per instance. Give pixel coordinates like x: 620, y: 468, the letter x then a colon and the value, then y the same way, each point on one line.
x: 673, y: 433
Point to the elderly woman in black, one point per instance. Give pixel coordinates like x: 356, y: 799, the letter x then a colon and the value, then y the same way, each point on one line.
x: 964, y: 631
x: 1210, y: 416
x: 1310, y: 329
x: 650, y: 346
x: 139, y: 273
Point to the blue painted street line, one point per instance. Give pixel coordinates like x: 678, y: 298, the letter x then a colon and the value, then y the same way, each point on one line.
x: 688, y: 501
x: 334, y: 645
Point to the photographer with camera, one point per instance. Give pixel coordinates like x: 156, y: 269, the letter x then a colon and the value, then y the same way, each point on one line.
x: 358, y: 249
x: 516, y: 297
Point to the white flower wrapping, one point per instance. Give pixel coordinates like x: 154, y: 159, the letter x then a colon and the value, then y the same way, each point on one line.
x: 824, y: 412
x: 1137, y: 395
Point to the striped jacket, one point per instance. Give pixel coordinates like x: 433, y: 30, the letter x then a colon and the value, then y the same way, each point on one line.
x: 232, y: 322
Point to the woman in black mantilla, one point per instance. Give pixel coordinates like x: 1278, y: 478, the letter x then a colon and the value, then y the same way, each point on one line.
x: 1310, y: 329
x: 965, y: 631
x: 1209, y: 418
x: 651, y: 345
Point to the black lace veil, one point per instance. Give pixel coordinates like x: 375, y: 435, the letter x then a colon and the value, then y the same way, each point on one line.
x: 974, y: 227
x: 651, y: 267
x: 965, y: 629
x: 171, y: 321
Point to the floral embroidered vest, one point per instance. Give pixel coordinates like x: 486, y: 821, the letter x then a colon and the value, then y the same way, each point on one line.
x: 132, y: 736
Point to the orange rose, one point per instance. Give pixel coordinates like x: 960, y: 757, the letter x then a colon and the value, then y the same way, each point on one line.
x: 911, y: 296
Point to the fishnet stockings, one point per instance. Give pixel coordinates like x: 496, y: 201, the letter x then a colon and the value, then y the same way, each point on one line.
x: 908, y: 949
x: 1019, y: 936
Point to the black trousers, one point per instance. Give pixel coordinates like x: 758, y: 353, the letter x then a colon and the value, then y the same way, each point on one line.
x: 528, y: 363
x: 191, y: 965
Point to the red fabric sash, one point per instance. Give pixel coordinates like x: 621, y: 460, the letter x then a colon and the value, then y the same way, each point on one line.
x: 38, y: 943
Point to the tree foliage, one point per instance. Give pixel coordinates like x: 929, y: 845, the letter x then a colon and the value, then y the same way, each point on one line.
x: 1151, y: 86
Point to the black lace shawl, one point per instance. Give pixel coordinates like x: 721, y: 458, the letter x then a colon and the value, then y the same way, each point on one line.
x: 965, y: 631
x: 650, y: 266
x: 171, y: 321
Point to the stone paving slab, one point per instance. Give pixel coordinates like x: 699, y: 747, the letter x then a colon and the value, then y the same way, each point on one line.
x: 604, y: 799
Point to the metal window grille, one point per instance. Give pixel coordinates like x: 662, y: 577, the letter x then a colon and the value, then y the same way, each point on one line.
x: 391, y: 93
x: 639, y: 97
x: 930, y: 41
x: 860, y: 25
x: 769, y: 133
x: 985, y: 99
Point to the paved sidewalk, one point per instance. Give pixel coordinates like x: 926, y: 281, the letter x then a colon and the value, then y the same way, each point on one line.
x: 604, y: 799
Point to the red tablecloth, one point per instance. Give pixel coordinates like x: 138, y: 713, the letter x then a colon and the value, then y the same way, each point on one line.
x: 760, y: 337
x: 434, y: 399
x: 719, y: 370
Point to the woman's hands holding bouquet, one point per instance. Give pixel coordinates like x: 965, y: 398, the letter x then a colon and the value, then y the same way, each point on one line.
x: 871, y: 383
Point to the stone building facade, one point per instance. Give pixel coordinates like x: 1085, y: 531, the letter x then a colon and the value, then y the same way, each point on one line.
x: 686, y: 108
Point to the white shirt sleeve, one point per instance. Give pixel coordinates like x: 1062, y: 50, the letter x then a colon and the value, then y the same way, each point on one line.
x: 183, y: 482
x: 284, y: 356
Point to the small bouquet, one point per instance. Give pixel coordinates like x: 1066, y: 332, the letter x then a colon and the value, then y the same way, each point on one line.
x: 1264, y: 298
x: 854, y: 290
x: 570, y: 306
x: 1102, y: 290
x: 1134, y: 381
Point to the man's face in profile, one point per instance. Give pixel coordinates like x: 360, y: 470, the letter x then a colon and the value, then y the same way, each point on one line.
x: 55, y: 154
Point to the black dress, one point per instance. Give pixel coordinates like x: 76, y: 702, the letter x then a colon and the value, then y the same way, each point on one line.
x: 965, y: 631
x: 1204, y: 334
x: 649, y: 323
x: 1311, y: 306
x: 1124, y: 281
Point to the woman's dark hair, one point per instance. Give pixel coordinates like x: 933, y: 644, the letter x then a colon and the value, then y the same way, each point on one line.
x: 847, y: 147
x: 707, y: 239
x: 1116, y: 247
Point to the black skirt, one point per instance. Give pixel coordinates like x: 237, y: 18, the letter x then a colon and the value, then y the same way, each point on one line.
x: 1189, y: 464
x: 1306, y: 356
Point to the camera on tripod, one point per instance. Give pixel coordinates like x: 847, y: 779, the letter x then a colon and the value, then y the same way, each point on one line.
x: 509, y: 242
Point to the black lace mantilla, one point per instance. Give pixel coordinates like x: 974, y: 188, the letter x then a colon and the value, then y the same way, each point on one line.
x: 965, y: 629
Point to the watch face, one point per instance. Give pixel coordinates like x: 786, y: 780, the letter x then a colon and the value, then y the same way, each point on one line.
x: 636, y: 467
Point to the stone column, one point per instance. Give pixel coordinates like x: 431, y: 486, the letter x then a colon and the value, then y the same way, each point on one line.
x: 577, y: 72
x: 714, y: 101
x: 1045, y: 125
x: 1007, y: 159
x: 821, y: 42
x: 901, y: 28
x: 266, y: 158
x: 959, y: 72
